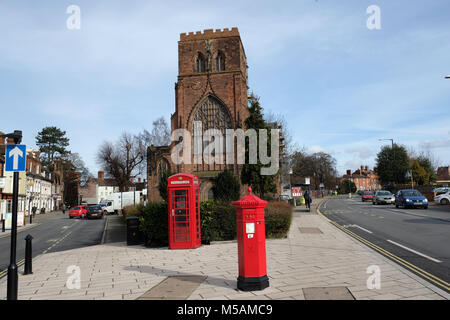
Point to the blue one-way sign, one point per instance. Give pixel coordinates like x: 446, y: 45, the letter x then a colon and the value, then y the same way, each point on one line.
x: 16, y: 155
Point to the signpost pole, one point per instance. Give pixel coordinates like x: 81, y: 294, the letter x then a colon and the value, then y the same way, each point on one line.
x: 15, y: 161
x: 12, y: 269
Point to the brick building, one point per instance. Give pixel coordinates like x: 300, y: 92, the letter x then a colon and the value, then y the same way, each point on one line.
x: 96, y: 189
x: 443, y: 175
x: 211, y: 88
x: 364, y: 178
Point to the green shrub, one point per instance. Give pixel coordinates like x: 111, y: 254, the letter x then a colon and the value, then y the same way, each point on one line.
x: 218, y: 221
x: 206, y: 218
x: 154, y: 223
x: 226, y: 187
x: 278, y: 218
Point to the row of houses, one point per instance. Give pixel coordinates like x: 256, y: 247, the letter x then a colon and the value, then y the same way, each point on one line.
x: 37, y: 187
x: 367, y: 179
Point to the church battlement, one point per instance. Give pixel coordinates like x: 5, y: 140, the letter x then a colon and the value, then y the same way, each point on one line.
x: 209, y: 33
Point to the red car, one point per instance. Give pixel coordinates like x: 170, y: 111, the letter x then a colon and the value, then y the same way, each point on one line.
x: 78, y: 211
x: 367, y: 196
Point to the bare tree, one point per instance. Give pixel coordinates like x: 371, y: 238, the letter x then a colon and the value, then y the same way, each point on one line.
x: 159, y: 135
x: 73, y: 161
x: 122, y: 160
x: 320, y: 166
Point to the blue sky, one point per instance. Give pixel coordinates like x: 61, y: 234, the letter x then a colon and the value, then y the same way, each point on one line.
x: 340, y: 86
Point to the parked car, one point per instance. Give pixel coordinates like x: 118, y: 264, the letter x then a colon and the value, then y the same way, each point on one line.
x: 383, y: 197
x: 410, y: 198
x: 78, y: 211
x: 441, y: 190
x: 443, y: 198
x: 366, y: 196
x: 95, y: 211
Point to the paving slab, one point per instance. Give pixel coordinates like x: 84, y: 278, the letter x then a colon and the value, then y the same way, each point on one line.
x: 295, y: 264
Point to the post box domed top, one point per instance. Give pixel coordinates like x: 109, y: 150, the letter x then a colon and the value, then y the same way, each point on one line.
x: 250, y: 201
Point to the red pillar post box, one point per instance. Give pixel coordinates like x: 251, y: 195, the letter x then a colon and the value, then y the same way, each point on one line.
x: 251, y: 243
x: 184, y: 211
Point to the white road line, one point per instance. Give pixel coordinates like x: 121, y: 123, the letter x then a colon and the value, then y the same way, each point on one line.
x: 414, y: 251
x: 356, y: 226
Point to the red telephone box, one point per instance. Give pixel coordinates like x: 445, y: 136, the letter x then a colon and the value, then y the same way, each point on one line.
x: 184, y: 211
x: 251, y: 236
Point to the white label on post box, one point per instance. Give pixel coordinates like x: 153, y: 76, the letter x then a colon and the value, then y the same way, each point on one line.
x: 250, y: 227
x: 250, y: 235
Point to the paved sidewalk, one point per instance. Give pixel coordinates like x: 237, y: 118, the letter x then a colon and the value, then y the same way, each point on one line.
x: 315, y: 255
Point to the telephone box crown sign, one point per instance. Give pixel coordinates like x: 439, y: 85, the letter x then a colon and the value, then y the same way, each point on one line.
x: 250, y: 201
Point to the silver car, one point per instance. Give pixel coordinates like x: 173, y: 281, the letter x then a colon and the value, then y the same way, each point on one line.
x: 383, y: 197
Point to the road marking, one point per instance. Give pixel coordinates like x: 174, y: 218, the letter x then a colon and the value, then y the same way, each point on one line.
x: 437, y: 281
x: 5, y: 271
x: 57, y: 242
x: 356, y: 226
x: 414, y: 251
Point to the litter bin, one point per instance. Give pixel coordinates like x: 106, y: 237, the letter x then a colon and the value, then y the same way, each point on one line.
x: 134, y: 235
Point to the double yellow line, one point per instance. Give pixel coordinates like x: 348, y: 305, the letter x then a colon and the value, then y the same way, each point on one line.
x: 5, y: 271
x: 437, y: 281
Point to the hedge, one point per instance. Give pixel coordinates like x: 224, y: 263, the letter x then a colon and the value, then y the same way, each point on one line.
x: 154, y: 223
x: 278, y: 218
x: 218, y: 221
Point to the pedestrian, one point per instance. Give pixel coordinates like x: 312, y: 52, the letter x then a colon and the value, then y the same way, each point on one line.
x: 308, y: 200
x: 34, y: 209
x: 63, y: 207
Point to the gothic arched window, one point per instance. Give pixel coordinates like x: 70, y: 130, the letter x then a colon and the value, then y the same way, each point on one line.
x: 220, y: 62
x: 213, y: 114
x: 200, y: 63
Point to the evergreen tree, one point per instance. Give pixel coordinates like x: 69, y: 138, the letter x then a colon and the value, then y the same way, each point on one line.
x: 392, y: 164
x: 251, y: 173
x: 427, y: 165
x: 227, y: 187
x: 419, y: 174
x: 162, y: 186
x: 52, y: 143
x: 347, y: 186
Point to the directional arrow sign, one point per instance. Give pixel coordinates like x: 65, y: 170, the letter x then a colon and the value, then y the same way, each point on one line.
x: 16, y: 155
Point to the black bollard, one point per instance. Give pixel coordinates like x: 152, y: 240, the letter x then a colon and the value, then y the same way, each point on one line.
x: 31, y: 219
x: 3, y: 225
x: 28, y: 252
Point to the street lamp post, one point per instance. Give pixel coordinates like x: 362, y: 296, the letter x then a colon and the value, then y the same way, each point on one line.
x: 12, y: 284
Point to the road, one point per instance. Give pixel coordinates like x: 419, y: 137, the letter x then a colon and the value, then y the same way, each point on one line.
x: 57, y: 233
x: 419, y: 237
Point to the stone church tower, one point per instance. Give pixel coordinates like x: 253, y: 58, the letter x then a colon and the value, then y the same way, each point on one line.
x: 211, y: 88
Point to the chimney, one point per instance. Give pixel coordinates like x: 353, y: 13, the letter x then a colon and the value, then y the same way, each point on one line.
x: 139, y: 179
x: 101, y: 175
x: 132, y: 180
x: 362, y: 168
x: 2, y: 140
x: 349, y: 172
x: 367, y: 168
